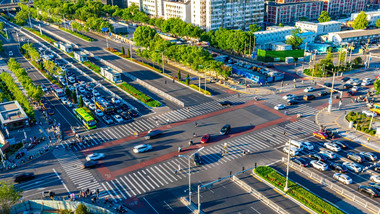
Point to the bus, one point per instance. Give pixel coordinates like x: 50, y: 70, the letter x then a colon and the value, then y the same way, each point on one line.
x: 376, y: 108
x: 58, y: 92
x: 85, y: 117
x: 103, y: 105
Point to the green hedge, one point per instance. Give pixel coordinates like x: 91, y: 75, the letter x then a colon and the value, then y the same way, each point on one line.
x: 77, y: 34
x: 299, y: 193
x: 361, y: 122
x: 92, y: 66
x: 139, y: 95
x: 43, y: 36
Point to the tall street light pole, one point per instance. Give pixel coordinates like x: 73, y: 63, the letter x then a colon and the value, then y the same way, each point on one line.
x: 286, y: 188
x: 331, y: 93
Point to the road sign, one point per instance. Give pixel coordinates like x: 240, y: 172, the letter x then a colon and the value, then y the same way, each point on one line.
x: 105, y: 29
x: 194, y: 78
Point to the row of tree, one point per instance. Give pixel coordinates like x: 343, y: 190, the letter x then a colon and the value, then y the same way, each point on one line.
x: 177, y: 27
x: 195, y: 57
x: 34, y: 91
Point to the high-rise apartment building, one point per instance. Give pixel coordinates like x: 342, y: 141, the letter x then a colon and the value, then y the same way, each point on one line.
x: 178, y: 9
x: 337, y: 8
x: 234, y: 14
x: 119, y: 3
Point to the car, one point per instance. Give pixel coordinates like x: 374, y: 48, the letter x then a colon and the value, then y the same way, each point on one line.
x: 319, y: 165
x: 153, y: 133
x: 350, y: 81
x: 205, y: 138
x: 376, y: 168
x: 342, y: 144
x: 71, y: 80
x: 25, y: 176
x: 90, y: 164
x: 115, y: 101
x: 69, y: 103
x: 124, y: 106
x: 125, y: 115
x: 118, y: 110
x: 81, y: 90
x: 309, y: 89
x: 342, y: 178
x: 142, y: 148
x: 327, y: 84
x: 322, y: 93
x: 370, y: 191
x: 95, y: 156
x: 225, y: 129
x: 307, y: 145
x: 354, y: 167
x: 96, y: 93
x: 293, y: 150
x: 329, y: 154
x: 347, y: 86
x: 368, y: 80
x: 50, y: 111
x: 225, y: 103
x: 107, y: 119
x: 292, y: 102
x: 64, y: 100
x: 332, y: 146
x: 301, y: 161
x: 280, y: 107
x: 318, y: 157
x: 356, y: 88
x: 375, y: 185
x: 320, y: 135
x: 344, y: 79
x: 355, y: 157
x: 375, y: 178
x: 369, y: 113
x: 92, y: 106
x: 357, y: 82
x: 10, y: 53
x: 288, y: 96
x: 197, y: 159
x: 86, y: 101
x: 43, y: 87
x: 366, y: 83
x: 45, y: 104
x: 369, y: 156
x: 308, y: 97
x: 99, y: 112
x: 43, y: 101
x: 339, y: 167
x: 133, y: 113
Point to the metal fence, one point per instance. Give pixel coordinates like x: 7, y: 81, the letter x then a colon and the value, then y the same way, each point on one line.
x: 341, y: 191
x: 258, y: 195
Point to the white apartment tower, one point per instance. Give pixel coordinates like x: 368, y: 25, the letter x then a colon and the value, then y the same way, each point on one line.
x: 150, y: 7
x: 236, y: 14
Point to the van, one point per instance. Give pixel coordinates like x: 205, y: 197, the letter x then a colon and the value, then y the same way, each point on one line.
x: 294, y: 143
x: 308, y: 97
x: 293, y: 150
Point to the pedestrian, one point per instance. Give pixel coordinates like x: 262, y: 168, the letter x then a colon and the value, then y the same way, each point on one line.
x: 368, y: 139
x: 188, y: 109
x: 175, y: 171
x: 173, y: 80
x: 165, y: 81
x: 294, y: 80
x: 106, y: 200
x: 302, y: 82
x: 97, y: 192
x: 285, y: 133
x: 179, y: 167
x: 194, y: 135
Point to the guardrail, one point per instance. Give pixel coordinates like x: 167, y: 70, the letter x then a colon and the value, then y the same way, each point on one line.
x: 258, y: 195
x: 341, y: 191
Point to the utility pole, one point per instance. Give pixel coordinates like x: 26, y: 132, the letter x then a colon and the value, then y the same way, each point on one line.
x: 287, y: 169
x: 205, y: 82
x: 130, y: 48
x: 163, y: 63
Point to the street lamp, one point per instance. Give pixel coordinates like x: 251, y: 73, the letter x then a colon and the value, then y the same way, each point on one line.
x: 6, y: 31
x: 163, y: 62
x: 189, y: 158
x: 287, y: 169
x: 331, y: 93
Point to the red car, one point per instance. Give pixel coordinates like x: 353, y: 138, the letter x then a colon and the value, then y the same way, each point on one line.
x: 321, y: 135
x: 205, y: 138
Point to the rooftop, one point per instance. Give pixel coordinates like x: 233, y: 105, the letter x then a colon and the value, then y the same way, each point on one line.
x: 11, y: 112
x: 317, y: 23
x: 357, y: 33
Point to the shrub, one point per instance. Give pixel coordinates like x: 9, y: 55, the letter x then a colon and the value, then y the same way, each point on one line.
x: 139, y: 95
x: 352, y: 113
x: 366, y: 130
x: 372, y: 132
x: 77, y: 34
x: 92, y: 66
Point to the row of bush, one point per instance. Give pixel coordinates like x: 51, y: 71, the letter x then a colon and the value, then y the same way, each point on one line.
x: 92, y: 66
x: 139, y: 95
x: 43, y: 36
x: 361, y: 122
x: 17, y: 94
x: 77, y: 34
x: 296, y: 191
x: 34, y: 91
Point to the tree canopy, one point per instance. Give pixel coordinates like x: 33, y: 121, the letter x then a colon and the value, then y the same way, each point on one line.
x: 295, y: 40
x: 254, y: 28
x: 8, y: 196
x: 360, y: 22
x: 324, y: 17
x: 378, y: 23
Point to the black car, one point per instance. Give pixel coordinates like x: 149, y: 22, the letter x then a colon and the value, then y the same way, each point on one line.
x: 308, y: 97
x: 297, y: 98
x: 197, y: 159
x: 292, y: 102
x: 118, y: 110
x: 23, y: 177
x: 345, y: 79
x: 125, y: 115
x: 225, y: 103
x: 342, y: 144
x: 90, y: 164
x: 347, y: 86
x: 318, y: 157
x: 301, y: 161
x: 225, y: 129
x: 327, y: 84
x: 355, y: 157
x: 43, y: 100
x: 124, y: 106
x: 88, y: 95
x: 370, y: 191
x: 323, y: 93
x: 133, y: 113
x: 339, y: 168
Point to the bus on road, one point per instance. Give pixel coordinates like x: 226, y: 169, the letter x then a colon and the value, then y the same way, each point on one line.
x: 103, y: 105
x: 58, y: 92
x: 85, y: 117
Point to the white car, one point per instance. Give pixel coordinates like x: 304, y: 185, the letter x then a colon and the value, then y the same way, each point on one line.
x: 369, y: 113
x: 319, y: 165
x: 375, y: 178
x: 81, y: 90
x: 293, y: 150
x: 99, y: 113
x: 96, y: 93
x: 92, y: 106
x: 10, y: 53
x: 115, y: 100
x: 332, y: 146
x: 72, y: 88
x: 118, y: 118
x: 353, y: 166
x: 95, y: 156
x: 342, y: 178
x: 69, y: 103
x: 329, y: 154
x: 357, y: 82
x: 309, y: 89
x: 280, y: 107
x: 356, y: 88
x: 71, y: 80
x: 142, y: 148
x: 368, y: 80
x: 288, y: 96
x: 86, y: 101
x: 64, y: 100
x: 365, y: 83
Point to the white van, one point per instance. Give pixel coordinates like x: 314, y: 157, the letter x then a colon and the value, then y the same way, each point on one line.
x: 294, y: 143
x: 307, y: 145
x: 293, y: 150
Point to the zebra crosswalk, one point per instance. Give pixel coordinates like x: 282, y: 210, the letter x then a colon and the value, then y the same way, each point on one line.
x: 296, y: 109
x: 154, y: 177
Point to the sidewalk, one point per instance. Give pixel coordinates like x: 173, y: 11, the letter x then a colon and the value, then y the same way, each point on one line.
x: 336, y: 121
